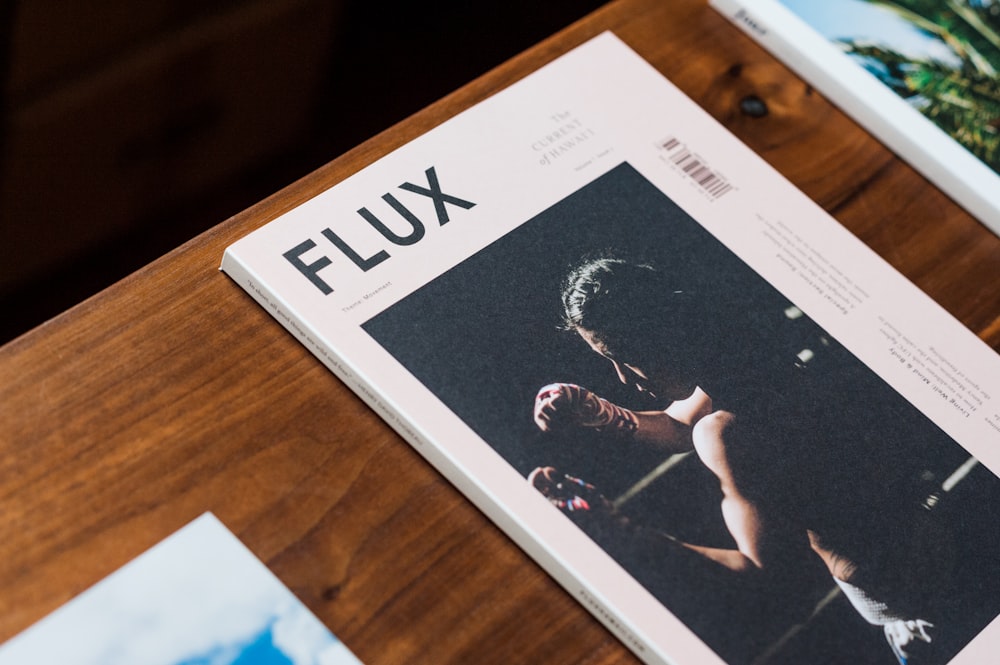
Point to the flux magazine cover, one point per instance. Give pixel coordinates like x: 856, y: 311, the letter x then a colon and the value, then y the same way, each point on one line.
x: 722, y: 423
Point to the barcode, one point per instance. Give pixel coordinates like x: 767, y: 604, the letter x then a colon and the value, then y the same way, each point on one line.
x: 694, y: 167
x: 670, y: 144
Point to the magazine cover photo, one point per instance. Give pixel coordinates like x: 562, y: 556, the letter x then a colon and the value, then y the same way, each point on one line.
x: 755, y: 477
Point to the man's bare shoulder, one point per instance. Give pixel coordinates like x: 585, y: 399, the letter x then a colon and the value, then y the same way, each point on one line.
x: 710, y: 439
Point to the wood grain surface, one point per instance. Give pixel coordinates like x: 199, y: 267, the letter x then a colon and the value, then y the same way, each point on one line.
x: 172, y: 393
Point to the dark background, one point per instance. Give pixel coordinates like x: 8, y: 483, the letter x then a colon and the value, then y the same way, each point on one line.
x: 128, y: 128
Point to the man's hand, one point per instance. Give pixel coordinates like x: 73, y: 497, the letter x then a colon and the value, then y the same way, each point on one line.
x: 560, y: 405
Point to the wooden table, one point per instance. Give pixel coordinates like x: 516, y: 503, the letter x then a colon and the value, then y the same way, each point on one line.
x: 172, y: 393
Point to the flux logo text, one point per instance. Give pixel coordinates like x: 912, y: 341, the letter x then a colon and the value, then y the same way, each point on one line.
x: 415, y: 225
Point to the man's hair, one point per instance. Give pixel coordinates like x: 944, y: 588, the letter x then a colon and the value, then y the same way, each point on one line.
x: 624, y: 304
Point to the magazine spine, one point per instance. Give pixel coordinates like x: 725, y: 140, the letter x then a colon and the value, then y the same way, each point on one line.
x: 755, y: 20
x: 337, y: 363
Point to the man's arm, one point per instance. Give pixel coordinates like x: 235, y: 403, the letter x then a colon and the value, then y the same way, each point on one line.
x: 663, y: 432
x: 763, y: 541
x: 561, y: 406
x: 670, y: 430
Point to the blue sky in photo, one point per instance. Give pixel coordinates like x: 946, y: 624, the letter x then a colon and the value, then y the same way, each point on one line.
x: 856, y: 19
x: 260, y: 650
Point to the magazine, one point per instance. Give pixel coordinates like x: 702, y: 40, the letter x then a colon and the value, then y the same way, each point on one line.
x: 922, y: 75
x: 722, y: 423
x: 199, y: 597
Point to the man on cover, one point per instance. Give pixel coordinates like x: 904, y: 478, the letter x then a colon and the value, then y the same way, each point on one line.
x: 808, y: 464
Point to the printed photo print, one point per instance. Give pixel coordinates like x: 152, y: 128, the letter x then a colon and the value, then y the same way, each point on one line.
x: 200, y: 597
x: 941, y: 56
x: 760, y: 481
